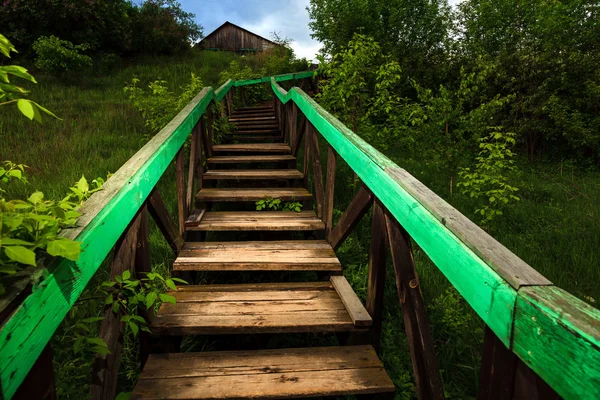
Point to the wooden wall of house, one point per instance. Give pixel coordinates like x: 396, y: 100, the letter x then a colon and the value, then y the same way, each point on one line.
x: 232, y: 38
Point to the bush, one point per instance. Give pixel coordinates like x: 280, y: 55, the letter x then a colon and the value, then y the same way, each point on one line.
x: 57, y: 56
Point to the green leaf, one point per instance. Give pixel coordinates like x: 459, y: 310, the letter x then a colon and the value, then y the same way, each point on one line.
x: 13, y: 242
x: 83, y: 185
x: 36, y: 197
x: 27, y: 109
x: 179, y: 280
x: 134, y: 328
x: 92, y: 320
x: 20, y: 254
x: 171, y: 284
x: 123, y: 396
x: 150, y: 299
x: 63, y: 247
x: 167, y: 298
x: 126, y: 274
x: 97, y: 341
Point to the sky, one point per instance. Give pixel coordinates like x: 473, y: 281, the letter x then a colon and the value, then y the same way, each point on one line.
x: 286, y: 17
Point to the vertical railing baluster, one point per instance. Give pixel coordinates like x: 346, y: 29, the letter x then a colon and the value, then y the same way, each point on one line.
x: 105, y: 369
x: 189, y: 200
x: 376, y: 272
x: 143, y: 266
x: 39, y: 382
x: 317, y: 170
x: 180, y: 178
x: 425, y: 367
x: 329, y: 190
x: 306, y: 155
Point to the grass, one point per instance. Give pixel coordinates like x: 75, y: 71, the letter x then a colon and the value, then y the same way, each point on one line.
x: 555, y: 227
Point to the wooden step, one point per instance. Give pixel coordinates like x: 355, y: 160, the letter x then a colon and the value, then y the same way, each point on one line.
x: 252, y: 118
x: 247, y: 126
x: 250, y: 159
x: 254, y: 108
x: 255, y: 221
x: 252, y: 194
x: 253, y: 174
x: 257, y: 138
x: 265, y: 113
x: 284, y: 255
x: 253, y: 148
x: 263, y: 374
x: 258, y: 308
x: 258, y: 131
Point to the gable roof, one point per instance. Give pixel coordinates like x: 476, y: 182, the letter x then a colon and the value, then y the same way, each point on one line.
x: 226, y: 23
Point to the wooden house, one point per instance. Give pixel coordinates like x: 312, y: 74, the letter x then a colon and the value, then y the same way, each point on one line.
x: 230, y: 37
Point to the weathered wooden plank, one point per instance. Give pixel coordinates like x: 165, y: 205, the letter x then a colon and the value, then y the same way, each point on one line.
x: 257, y: 221
x: 253, y: 148
x: 199, y: 159
x: 498, y: 368
x: 105, y: 216
x: 360, y: 316
x: 558, y: 336
x: 180, y: 179
x: 281, y: 287
x: 250, y: 159
x: 262, y: 174
x: 251, y: 194
x: 317, y: 171
x: 376, y: 273
x: 39, y: 382
x: 356, y: 210
x: 329, y: 191
x: 105, y: 370
x: 189, y: 198
x: 299, y: 135
x: 274, y: 244
x: 422, y: 351
x: 309, y: 372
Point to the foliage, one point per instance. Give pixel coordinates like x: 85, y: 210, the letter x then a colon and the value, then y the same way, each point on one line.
x: 159, y: 105
x: 57, y: 56
x: 109, y: 26
x: 253, y: 93
x: 489, y: 180
x: 271, y: 204
x: 127, y: 295
x: 162, y: 27
x: 11, y: 93
x: 30, y: 228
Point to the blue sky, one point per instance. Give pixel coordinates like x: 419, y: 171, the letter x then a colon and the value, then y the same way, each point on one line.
x: 287, y: 17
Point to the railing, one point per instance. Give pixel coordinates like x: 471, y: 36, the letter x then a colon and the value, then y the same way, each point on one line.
x: 552, y: 332
x: 112, y: 217
x: 530, y: 324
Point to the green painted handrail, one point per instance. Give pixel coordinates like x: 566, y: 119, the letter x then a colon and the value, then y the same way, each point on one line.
x: 553, y: 332
x: 105, y: 216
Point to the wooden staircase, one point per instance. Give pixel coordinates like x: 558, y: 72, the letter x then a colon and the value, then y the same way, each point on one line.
x: 237, y: 174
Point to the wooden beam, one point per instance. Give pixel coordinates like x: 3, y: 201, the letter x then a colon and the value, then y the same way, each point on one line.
x: 376, y: 272
x: 39, y: 383
x: 497, y: 371
x: 180, y: 178
x: 299, y: 135
x: 306, y: 155
x: 143, y: 266
x: 329, y: 191
x: 190, y: 193
x: 356, y: 210
x: 317, y: 171
x: 422, y: 351
x: 199, y: 165
x: 105, y: 369
x: 360, y: 316
x: 160, y: 214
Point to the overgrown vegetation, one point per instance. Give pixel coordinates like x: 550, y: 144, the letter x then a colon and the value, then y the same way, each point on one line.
x: 496, y: 99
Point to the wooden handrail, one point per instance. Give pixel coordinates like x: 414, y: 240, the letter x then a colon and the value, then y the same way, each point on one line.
x: 551, y: 331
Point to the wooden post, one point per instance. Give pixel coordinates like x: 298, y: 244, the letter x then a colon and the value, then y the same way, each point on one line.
x: 317, y: 170
x: 105, y: 370
x: 182, y: 215
x: 299, y: 135
x: 39, y: 382
x: 356, y: 210
x: 425, y: 367
x: 143, y: 266
x: 189, y: 200
x: 293, y: 123
x: 306, y: 155
x: 503, y: 376
x: 243, y: 96
x: 329, y: 190
x: 376, y: 277
x: 199, y: 166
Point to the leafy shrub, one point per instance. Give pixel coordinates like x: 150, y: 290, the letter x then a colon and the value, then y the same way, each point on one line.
x: 272, y: 204
x: 159, y: 105
x: 30, y: 228
x: 489, y: 180
x: 10, y: 93
x: 253, y: 93
x: 57, y: 56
